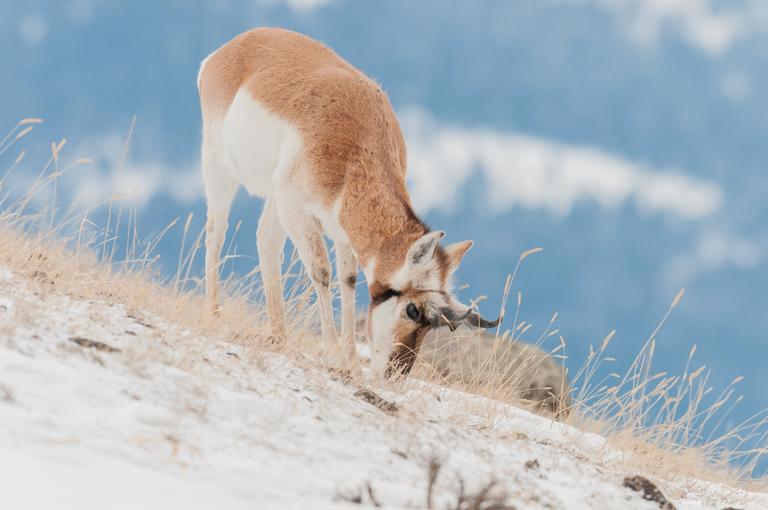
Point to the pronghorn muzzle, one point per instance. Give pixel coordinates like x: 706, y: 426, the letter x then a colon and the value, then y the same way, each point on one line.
x: 401, y: 361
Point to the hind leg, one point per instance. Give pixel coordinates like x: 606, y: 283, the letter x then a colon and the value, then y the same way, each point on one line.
x: 270, y: 239
x: 306, y: 236
x: 220, y: 188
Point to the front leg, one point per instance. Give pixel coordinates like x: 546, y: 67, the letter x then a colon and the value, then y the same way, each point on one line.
x: 220, y: 188
x: 309, y: 242
x: 346, y: 267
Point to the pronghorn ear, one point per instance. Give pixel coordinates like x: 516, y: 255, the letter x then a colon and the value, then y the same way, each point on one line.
x: 423, y: 250
x: 455, y: 253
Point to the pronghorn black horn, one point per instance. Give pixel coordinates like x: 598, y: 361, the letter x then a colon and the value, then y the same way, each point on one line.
x: 476, y: 321
x: 449, y: 317
x: 452, y: 315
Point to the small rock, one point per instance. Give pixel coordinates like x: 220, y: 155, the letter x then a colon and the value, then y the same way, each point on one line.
x: 101, y: 346
x: 532, y: 464
x: 139, y: 321
x: 377, y: 401
x: 400, y: 454
x: 650, y: 492
x: 6, y: 393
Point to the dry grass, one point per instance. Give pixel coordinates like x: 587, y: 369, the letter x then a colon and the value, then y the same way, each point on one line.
x: 670, y: 426
x: 658, y: 421
x: 500, y: 367
x: 65, y: 253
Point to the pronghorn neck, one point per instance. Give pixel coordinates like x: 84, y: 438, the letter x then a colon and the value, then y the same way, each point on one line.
x: 381, y: 227
x: 381, y: 244
x: 374, y: 208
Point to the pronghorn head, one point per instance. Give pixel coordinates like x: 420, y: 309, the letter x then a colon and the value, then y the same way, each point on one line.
x: 417, y: 297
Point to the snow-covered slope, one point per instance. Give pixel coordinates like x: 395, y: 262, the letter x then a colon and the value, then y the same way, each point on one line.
x: 105, y: 407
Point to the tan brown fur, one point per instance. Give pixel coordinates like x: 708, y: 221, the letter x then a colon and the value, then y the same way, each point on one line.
x: 337, y: 167
x: 354, y: 150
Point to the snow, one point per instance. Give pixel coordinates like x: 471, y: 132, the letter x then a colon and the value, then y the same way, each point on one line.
x: 176, y: 420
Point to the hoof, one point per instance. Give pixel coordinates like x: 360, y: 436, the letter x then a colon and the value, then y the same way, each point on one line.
x: 268, y: 340
x: 342, y: 374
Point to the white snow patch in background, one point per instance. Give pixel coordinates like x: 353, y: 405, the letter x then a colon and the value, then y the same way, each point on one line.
x: 96, y: 181
x: 711, y: 26
x: 715, y: 249
x: 33, y: 29
x: 537, y: 173
x: 520, y: 171
x: 80, y: 12
x: 736, y: 86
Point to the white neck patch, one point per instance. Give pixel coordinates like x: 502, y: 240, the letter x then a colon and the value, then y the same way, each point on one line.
x: 383, y: 319
x: 369, y: 269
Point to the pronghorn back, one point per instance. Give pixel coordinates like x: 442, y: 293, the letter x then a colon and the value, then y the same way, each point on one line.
x: 343, y: 116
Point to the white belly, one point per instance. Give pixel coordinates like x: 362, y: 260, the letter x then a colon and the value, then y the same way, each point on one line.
x: 257, y: 145
x: 262, y: 152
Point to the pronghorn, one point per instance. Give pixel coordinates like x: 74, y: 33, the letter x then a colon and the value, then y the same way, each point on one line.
x: 291, y: 121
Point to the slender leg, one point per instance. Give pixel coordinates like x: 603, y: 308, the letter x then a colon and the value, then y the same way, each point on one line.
x: 346, y: 268
x: 270, y: 240
x: 306, y: 236
x: 220, y: 188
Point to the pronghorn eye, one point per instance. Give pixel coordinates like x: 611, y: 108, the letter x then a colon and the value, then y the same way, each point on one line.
x: 413, y: 312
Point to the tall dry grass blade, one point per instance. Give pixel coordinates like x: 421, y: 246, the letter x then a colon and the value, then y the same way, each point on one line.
x: 117, y: 182
x: 191, y: 258
x: 56, y: 149
x: 231, y: 242
x: 181, y: 252
x: 15, y: 163
x: 128, y: 236
x: 19, y: 124
x: 23, y: 132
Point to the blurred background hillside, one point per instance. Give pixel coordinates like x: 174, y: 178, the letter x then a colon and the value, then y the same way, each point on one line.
x: 625, y: 137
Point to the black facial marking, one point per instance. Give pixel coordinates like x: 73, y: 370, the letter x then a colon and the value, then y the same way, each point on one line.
x: 321, y: 276
x: 402, y: 359
x: 383, y: 296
